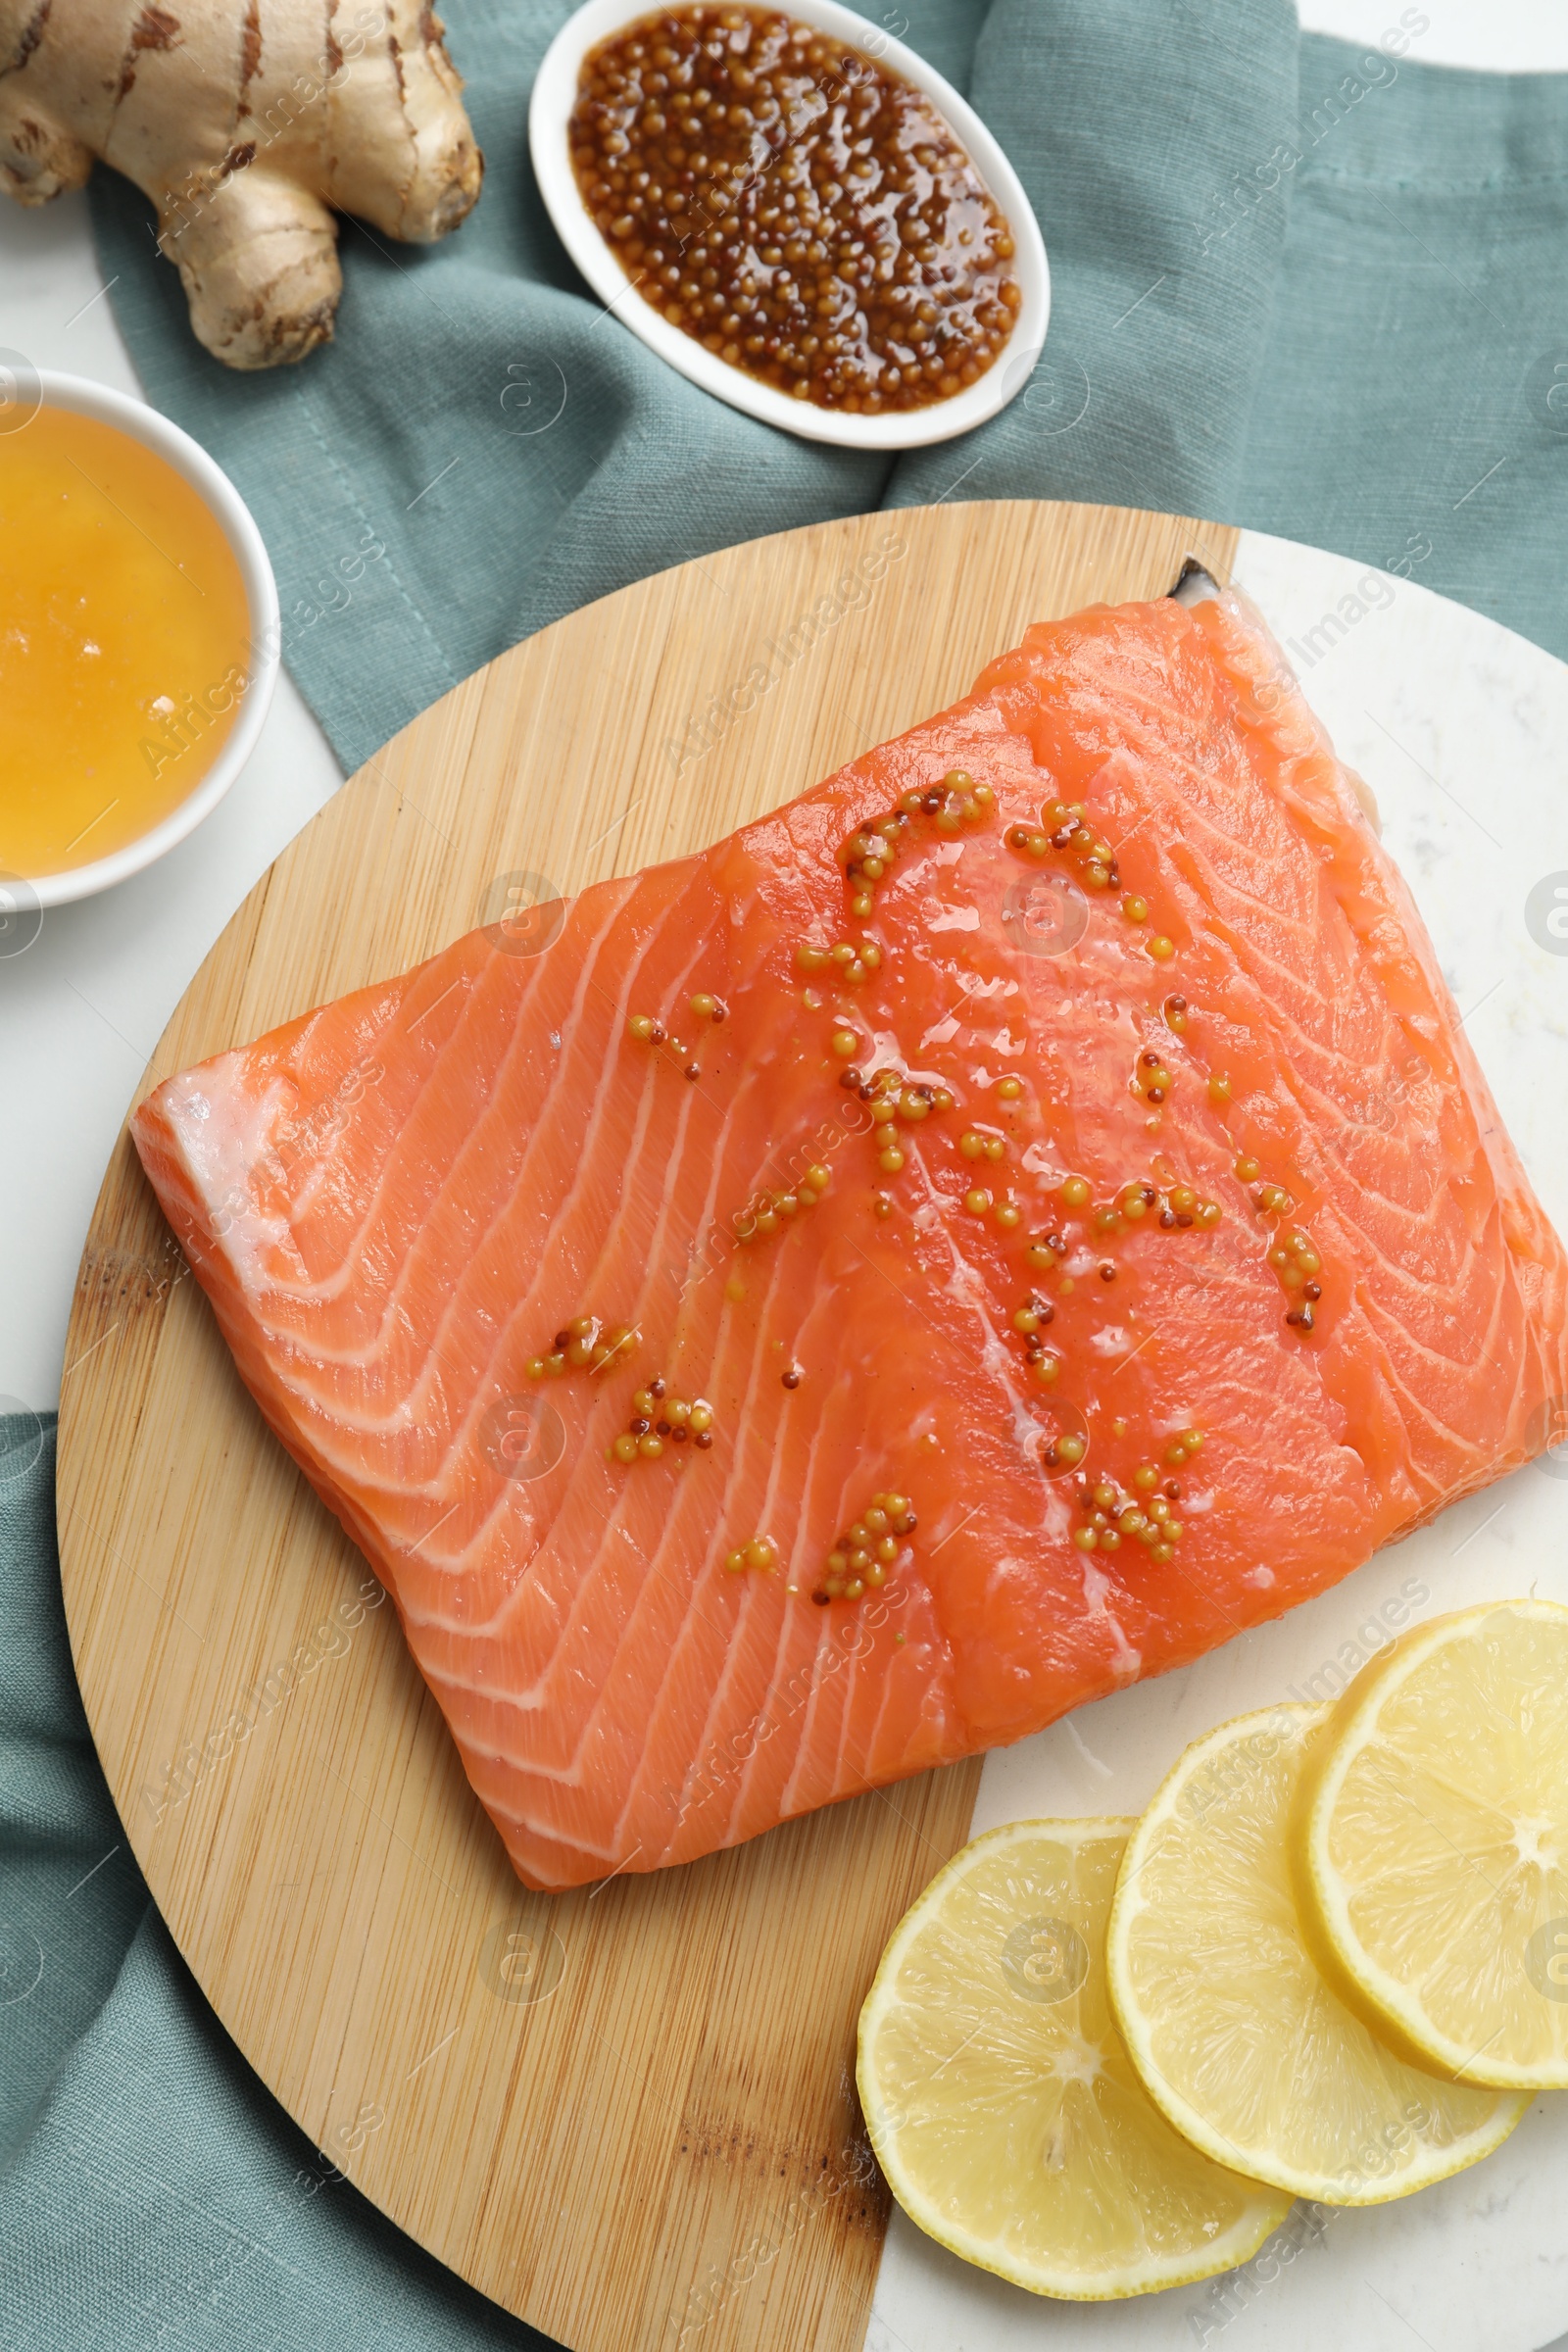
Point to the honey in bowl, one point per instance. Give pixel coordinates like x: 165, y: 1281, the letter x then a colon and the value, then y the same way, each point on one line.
x: 124, y: 641
x: 795, y: 207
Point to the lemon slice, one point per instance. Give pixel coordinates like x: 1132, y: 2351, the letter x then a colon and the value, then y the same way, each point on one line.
x: 1003, y: 2109
x: 1432, y: 1844
x: 1232, y: 2027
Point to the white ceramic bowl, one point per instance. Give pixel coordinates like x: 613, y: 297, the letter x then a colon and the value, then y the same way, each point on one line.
x: 555, y: 93
x: 218, y: 494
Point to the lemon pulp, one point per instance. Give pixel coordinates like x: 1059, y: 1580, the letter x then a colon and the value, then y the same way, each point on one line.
x: 1432, y: 1844
x: 1003, y: 2106
x: 1237, y: 2035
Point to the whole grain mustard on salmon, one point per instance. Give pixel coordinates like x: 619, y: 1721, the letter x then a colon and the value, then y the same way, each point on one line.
x: 807, y: 1312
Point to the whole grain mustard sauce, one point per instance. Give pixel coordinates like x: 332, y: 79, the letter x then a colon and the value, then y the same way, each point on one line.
x: 793, y: 206
x: 124, y: 641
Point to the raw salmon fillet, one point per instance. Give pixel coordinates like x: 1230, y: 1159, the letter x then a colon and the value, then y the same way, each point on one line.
x: 1247, y: 1227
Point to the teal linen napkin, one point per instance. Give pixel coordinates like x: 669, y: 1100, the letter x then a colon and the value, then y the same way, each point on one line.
x: 152, y: 2192
x: 1412, y: 408
x: 1300, y: 285
x: 484, y: 448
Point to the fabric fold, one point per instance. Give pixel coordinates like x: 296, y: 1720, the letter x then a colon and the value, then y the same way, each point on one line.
x: 1309, y: 286
x: 1413, y: 411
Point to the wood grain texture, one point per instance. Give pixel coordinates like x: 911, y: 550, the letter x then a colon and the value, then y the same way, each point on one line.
x: 627, y: 2114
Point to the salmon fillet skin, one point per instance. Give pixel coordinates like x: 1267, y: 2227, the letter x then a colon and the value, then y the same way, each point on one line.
x: 990, y: 1231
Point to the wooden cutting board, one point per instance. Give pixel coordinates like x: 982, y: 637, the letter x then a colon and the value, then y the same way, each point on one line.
x: 627, y: 2114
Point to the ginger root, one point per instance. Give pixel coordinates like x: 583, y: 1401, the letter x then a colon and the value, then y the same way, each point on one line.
x: 244, y: 120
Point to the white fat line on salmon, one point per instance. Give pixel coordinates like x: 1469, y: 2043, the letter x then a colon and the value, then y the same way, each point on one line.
x: 421, y: 1541
x: 852, y: 592
x: 781, y: 1493
x: 1200, y: 1278
x: 727, y: 1110
x: 746, y: 1403
x: 1376, y: 1110
x: 716, y: 1242
x: 324, y: 1122
x: 620, y: 1003
x: 586, y: 980
x: 967, y: 1288
x: 971, y: 985
x: 502, y: 1075
x: 218, y: 1156
x: 440, y: 1001
x: 956, y: 1531
x: 853, y: 1639
x: 1098, y: 1587
x: 966, y: 1285
x: 999, y: 1359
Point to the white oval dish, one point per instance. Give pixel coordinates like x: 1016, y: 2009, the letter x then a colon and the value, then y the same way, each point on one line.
x: 555, y: 93
x: 219, y: 496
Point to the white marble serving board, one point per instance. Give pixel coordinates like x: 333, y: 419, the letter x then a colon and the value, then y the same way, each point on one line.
x: 1462, y: 729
